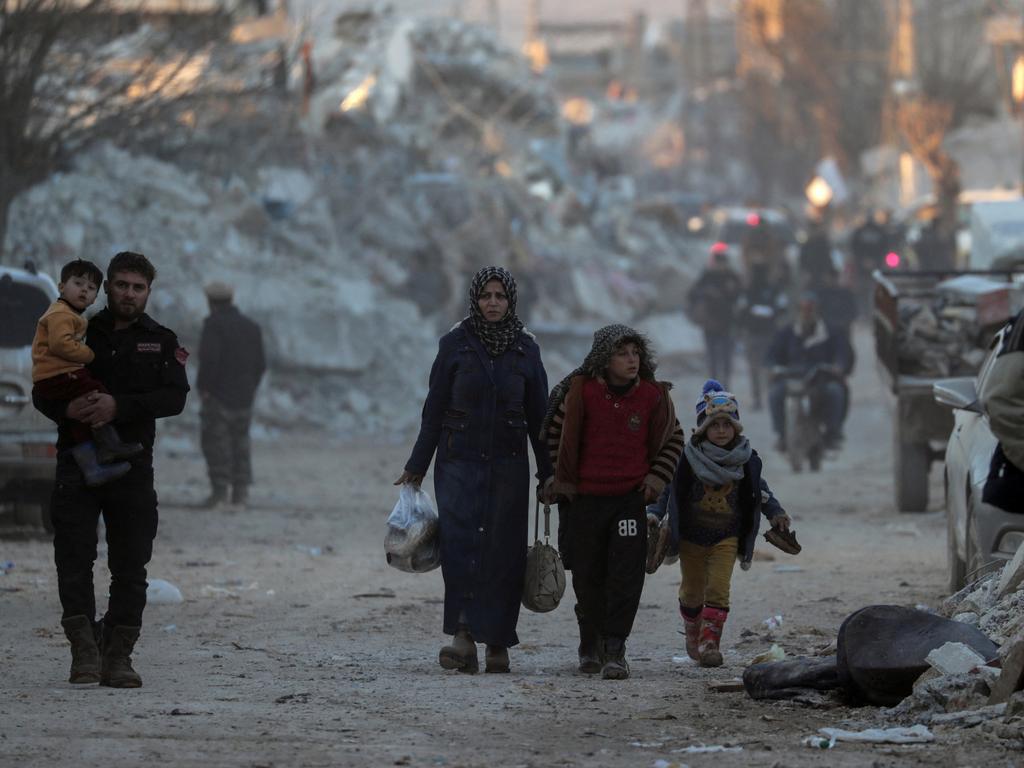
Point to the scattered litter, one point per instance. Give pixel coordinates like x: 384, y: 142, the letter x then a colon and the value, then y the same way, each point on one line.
x: 923, y: 607
x: 775, y: 653
x: 773, y: 622
x: 915, y: 734
x: 647, y: 744
x: 819, y: 742
x: 683, y: 659
x: 379, y: 593
x: 667, y: 764
x: 160, y: 592
x: 726, y: 686
x: 788, y: 568
x: 171, y: 628
x: 312, y: 551
x: 700, y: 749
x: 954, y: 659
x: 6, y: 567
x: 970, y: 716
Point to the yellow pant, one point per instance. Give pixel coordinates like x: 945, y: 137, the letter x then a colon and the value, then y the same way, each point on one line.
x: 707, y: 573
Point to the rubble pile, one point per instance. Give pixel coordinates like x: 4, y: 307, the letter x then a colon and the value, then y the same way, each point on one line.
x: 947, y: 334
x: 963, y: 689
x: 350, y: 225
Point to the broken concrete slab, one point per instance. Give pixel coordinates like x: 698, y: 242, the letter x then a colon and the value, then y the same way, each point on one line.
x: 1013, y: 574
x: 1011, y: 679
x: 954, y: 659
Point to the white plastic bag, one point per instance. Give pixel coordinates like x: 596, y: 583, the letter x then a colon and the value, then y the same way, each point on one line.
x: 412, y: 543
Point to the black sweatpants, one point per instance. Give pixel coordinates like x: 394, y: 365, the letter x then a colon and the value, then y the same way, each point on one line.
x: 128, y: 506
x: 609, y: 550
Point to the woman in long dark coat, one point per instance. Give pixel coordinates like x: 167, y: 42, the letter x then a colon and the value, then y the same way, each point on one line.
x: 488, y: 391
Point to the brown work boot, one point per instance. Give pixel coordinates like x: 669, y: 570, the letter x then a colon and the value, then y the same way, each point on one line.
x: 712, y: 621
x: 615, y: 665
x: 496, y: 659
x: 461, y: 654
x: 116, y: 659
x: 85, y: 653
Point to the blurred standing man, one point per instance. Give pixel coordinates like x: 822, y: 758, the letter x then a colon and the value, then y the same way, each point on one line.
x: 231, y: 364
x: 712, y: 305
x: 143, y: 368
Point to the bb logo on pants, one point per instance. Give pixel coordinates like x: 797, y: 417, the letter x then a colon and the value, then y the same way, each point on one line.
x: 627, y: 527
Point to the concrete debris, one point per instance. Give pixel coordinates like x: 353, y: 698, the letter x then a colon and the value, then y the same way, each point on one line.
x: 954, y: 659
x: 415, y: 159
x: 1013, y: 574
x: 1011, y: 679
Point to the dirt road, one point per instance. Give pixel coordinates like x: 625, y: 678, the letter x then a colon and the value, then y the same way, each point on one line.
x: 297, y: 645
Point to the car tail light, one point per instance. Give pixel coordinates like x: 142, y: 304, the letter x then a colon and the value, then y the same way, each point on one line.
x: 892, y: 259
x: 719, y: 247
x: 753, y: 220
x: 38, y: 450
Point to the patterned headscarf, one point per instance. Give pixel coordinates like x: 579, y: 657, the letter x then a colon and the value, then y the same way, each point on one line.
x: 606, y: 341
x: 498, y: 336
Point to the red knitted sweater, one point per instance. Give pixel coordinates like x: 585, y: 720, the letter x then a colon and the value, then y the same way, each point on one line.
x: 613, y: 451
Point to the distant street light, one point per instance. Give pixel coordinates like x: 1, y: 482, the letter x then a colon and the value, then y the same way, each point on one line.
x: 1017, y: 89
x: 819, y: 193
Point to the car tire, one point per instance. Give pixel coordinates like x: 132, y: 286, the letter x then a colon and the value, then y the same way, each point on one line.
x: 912, y: 462
x: 956, y: 567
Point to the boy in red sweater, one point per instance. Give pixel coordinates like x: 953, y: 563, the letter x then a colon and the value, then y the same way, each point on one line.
x: 614, y: 441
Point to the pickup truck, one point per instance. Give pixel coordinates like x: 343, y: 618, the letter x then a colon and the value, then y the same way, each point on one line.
x: 925, y: 331
x: 27, y: 437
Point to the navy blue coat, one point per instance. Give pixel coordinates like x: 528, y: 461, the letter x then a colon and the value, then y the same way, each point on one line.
x: 478, y: 415
x: 752, y: 504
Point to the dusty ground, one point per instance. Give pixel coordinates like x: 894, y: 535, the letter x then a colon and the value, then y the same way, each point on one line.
x: 297, y: 645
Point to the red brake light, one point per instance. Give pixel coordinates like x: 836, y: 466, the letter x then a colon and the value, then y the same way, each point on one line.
x: 719, y: 247
x: 892, y: 259
x: 753, y: 220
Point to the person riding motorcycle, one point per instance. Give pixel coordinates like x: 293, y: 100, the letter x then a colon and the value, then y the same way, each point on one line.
x: 805, y: 345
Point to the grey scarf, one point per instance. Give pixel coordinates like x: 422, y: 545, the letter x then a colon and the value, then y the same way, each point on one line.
x: 717, y: 466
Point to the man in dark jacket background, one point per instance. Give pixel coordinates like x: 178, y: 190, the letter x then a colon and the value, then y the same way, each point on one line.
x: 231, y: 364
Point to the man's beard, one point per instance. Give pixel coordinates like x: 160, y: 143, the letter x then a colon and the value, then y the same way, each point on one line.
x: 126, y: 312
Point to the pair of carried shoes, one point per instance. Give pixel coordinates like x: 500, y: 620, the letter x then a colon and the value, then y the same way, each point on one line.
x: 461, y: 655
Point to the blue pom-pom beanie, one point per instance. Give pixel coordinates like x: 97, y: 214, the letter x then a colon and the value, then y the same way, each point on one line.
x: 714, y: 401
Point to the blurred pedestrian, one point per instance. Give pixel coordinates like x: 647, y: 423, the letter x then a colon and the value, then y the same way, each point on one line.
x: 486, y: 397
x: 815, y: 255
x: 614, y: 440
x: 712, y: 304
x: 869, y: 244
x: 763, y: 303
x: 231, y: 365
x: 142, y: 367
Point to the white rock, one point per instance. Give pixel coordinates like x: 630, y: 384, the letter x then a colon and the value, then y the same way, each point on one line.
x: 954, y: 659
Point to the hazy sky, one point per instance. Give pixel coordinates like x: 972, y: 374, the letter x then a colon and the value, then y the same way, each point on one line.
x: 513, y: 12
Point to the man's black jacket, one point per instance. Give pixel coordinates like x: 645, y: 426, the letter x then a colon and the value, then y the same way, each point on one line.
x: 231, y: 360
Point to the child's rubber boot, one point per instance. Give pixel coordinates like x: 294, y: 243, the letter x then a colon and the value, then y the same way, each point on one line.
x: 691, y: 630
x: 94, y: 472
x: 461, y: 654
x: 109, y: 447
x: 712, y: 620
x: 615, y: 665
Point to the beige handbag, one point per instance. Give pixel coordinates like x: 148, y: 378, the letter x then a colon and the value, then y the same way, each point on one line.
x: 544, y: 583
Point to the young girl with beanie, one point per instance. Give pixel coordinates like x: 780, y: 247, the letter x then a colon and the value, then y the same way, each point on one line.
x: 714, y: 504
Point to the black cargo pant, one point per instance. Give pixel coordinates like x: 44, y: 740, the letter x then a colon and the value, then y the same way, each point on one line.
x: 128, y: 506
x: 225, y: 441
x: 608, y: 551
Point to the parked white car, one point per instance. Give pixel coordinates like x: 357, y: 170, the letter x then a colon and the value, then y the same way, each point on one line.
x: 980, y: 537
x: 27, y: 438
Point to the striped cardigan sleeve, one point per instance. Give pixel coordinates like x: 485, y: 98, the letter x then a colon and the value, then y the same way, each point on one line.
x: 554, y: 435
x: 664, y: 465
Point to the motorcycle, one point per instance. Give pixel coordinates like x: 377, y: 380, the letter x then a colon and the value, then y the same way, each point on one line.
x: 802, y: 415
